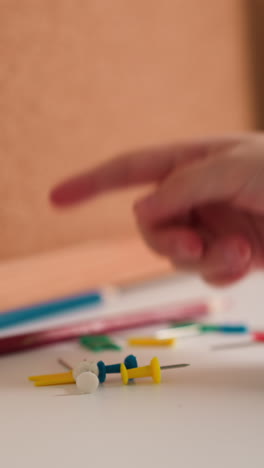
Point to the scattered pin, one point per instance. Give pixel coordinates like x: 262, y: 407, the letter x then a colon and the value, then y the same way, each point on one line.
x: 87, y: 382
x: 232, y: 328
x: 98, y: 343
x: 53, y: 379
x: 213, y: 327
x: 130, y: 362
x: 188, y: 329
x: 153, y: 370
x: 101, y: 369
x: 85, y: 366
x: 151, y: 341
x: 182, y: 324
x: 256, y: 338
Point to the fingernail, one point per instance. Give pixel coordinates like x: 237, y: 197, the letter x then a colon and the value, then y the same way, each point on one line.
x: 188, y: 251
x: 236, y: 256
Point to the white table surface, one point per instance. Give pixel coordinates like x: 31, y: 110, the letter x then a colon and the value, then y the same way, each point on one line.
x: 210, y: 414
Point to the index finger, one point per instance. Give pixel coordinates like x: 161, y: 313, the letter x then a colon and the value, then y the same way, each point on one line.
x: 136, y: 168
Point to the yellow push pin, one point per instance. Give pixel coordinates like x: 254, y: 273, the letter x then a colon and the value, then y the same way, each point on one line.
x: 52, y: 379
x: 153, y: 370
x: 86, y: 382
x: 151, y: 341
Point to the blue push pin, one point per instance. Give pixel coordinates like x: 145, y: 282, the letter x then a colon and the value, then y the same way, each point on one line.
x: 130, y: 363
x: 224, y: 328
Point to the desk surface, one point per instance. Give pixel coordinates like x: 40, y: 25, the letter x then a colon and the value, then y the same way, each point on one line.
x: 207, y: 415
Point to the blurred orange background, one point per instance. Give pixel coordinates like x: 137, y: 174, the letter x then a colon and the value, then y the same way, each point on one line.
x: 81, y: 81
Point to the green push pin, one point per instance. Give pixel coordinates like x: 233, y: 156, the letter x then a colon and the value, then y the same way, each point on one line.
x: 99, y: 343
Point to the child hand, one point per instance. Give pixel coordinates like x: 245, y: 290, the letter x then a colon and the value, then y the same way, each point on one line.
x: 206, y: 213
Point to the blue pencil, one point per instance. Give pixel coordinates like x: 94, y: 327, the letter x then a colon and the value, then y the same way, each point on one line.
x: 49, y: 309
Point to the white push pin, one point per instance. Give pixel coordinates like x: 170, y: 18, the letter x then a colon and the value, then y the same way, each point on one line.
x: 87, y: 382
x: 85, y: 375
x: 85, y: 366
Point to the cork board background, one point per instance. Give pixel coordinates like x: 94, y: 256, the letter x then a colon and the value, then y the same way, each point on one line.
x: 83, y: 80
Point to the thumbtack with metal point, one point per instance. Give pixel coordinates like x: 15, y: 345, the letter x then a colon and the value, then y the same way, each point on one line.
x: 153, y: 370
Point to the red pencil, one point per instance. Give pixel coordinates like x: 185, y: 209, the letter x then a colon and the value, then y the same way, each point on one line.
x: 104, y: 325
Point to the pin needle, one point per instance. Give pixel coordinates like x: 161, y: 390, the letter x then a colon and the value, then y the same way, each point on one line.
x: 174, y: 366
x: 64, y: 364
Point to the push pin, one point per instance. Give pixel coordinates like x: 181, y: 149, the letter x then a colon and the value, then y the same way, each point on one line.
x: 101, y: 369
x: 151, y: 341
x: 153, y: 370
x: 85, y: 366
x: 227, y: 328
x: 130, y: 362
x: 86, y: 382
x: 52, y: 379
x: 98, y: 343
x: 86, y: 375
